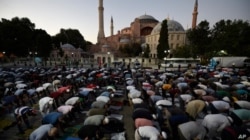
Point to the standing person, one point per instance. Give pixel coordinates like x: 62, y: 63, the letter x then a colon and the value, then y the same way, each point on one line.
x: 21, y: 114
x: 44, y: 132
x: 174, y: 91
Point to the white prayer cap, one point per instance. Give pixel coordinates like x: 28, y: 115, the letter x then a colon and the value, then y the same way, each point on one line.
x: 226, y: 99
x: 106, y: 120
x: 164, y: 135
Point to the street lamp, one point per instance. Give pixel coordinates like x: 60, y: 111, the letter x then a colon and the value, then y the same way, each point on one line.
x: 165, y: 60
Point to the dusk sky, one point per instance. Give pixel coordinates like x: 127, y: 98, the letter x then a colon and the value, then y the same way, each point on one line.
x: 52, y: 15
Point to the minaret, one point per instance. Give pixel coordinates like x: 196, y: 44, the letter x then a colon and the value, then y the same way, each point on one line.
x: 111, y: 27
x: 101, y: 26
x: 195, y: 13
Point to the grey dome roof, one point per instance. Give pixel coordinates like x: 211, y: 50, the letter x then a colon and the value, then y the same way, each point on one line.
x: 67, y: 46
x: 105, y: 46
x: 124, y: 40
x: 147, y: 18
x: 172, y: 26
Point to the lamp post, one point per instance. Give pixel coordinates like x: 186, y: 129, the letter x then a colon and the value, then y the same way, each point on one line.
x: 165, y: 60
x: 72, y: 55
x: 108, y: 59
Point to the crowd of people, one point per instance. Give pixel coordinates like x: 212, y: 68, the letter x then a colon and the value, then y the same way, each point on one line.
x: 183, y: 104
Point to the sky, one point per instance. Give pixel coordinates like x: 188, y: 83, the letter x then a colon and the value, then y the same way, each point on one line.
x: 53, y: 15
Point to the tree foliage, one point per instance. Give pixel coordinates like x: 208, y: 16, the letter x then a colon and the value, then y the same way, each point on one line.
x: 232, y: 37
x: 70, y: 36
x: 163, y: 40
x: 131, y: 50
x: 19, y: 37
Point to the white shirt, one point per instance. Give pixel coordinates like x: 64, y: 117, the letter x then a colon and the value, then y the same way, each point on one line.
x: 221, y: 105
x: 103, y: 98
x: 243, y: 104
x: 191, y: 130
x: 215, y: 123
x: 148, y: 132
x: 44, y: 103
x: 64, y: 109
x: 186, y: 97
x: 72, y: 101
x: 163, y: 102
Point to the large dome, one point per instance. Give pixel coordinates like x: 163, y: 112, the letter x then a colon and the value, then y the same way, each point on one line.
x: 147, y: 18
x: 172, y: 26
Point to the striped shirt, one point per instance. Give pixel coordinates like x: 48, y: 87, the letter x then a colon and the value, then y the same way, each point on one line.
x: 22, y: 110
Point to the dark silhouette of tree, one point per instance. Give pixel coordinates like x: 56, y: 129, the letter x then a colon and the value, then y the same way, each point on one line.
x: 163, y: 40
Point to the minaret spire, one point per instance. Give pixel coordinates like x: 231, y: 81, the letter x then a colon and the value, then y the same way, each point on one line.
x: 195, y: 13
x: 101, y: 25
x: 111, y: 26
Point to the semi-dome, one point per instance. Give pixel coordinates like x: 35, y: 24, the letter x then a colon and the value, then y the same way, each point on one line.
x: 147, y: 18
x: 172, y: 26
x: 67, y: 46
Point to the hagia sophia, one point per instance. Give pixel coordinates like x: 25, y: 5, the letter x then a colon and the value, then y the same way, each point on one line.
x: 145, y: 29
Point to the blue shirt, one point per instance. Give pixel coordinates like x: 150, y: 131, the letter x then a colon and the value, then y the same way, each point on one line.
x: 41, y: 133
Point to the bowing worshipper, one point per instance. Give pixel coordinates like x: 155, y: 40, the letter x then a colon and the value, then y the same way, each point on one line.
x: 240, y: 116
x: 21, y: 114
x: 67, y: 111
x: 191, y: 131
x: 143, y: 113
x: 21, y: 96
x: 219, y: 106
x: 89, y: 132
x: 176, y: 118
x: 95, y: 120
x: 9, y: 102
x: 56, y: 119
x: 241, y: 104
x: 236, y: 133
x: 196, y: 108
x: 149, y: 132
x: 112, y: 125
x: 143, y: 122
x: 99, y: 104
x: 184, y: 99
x: 31, y: 94
x: 44, y: 132
x: 76, y: 102
x: 215, y: 123
x: 46, y: 105
x: 97, y: 111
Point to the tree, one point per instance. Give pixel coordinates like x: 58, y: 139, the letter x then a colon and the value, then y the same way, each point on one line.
x: 200, y: 39
x: 231, y: 36
x: 16, y: 36
x: 163, y: 40
x: 71, y: 36
x: 42, y: 43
